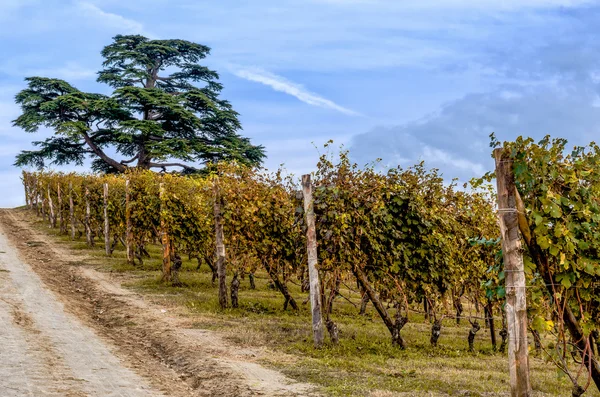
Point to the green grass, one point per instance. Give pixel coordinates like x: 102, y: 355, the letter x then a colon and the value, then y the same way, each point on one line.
x: 363, y: 364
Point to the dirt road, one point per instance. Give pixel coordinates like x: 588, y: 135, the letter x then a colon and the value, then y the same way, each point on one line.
x: 68, y: 330
x: 46, y: 351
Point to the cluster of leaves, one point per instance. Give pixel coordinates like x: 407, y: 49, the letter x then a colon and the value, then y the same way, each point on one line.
x: 559, y: 195
x: 403, y: 235
x: 406, y: 231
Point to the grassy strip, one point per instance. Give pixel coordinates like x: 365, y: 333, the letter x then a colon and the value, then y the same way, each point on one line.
x: 363, y: 364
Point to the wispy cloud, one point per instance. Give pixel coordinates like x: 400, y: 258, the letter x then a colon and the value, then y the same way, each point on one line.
x: 70, y: 71
x: 281, y: 84
x: 481, y: 4
x: 111, y: 19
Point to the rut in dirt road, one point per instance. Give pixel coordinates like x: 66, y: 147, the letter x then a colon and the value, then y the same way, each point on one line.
x: 46, y: 351
x: 163, y: 348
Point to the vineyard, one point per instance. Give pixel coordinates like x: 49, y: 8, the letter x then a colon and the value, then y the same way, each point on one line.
x: 404, y: 242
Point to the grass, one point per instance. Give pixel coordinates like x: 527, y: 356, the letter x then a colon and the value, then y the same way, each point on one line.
x: 363, y: 364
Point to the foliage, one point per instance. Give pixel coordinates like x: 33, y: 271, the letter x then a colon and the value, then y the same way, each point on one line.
x: 151, y: 117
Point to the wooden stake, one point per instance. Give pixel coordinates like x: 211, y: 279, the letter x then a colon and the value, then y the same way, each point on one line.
x: 106, y: 222
x: 41, y: 194
x: 128, y: 225
x: 61, y: 217
x: 164, y: 236
x: 71, y: 211
x: 88, y: 227
x: 36, y: 196
x: 52, y: 213
x: 26, y: 187
x: 220, y: 247
x: 516, y: 305
x: 313, y: 273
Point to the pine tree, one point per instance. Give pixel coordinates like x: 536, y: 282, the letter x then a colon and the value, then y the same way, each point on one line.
x: 164, y: 112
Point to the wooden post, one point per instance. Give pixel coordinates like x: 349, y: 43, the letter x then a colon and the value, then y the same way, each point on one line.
x: 220, y: 247
x: 71, y: 211
x: 36, y: 196
x: 41, y: 194
x: 61, y: 217
x: 164, y: 236
x: 26, y: 187
x: 106, y: 222
x: 516, y: 305
x: 51, y: 206
x: 313, y: 273
x: 88, y: 226
x: 128, y: 225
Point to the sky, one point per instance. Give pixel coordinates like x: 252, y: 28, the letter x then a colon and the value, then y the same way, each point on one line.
x: 401, y: 81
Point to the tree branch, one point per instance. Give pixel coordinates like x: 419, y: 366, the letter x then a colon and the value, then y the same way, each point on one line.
x: 118, y: 166
x: 131, y: 160
x: 163, y: 165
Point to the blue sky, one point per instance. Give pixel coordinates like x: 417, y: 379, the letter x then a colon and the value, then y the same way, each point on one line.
x: 403, y: 81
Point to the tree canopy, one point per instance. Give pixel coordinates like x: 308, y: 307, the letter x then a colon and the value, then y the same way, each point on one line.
x: 164, y: 112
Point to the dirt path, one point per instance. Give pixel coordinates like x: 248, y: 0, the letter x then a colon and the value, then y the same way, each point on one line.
x: 46, y: 351
x: 49, y: 347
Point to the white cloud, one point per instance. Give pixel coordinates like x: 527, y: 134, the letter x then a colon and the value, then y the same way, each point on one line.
x: 281, y: 84
x: 110, y: 19
x: 471, y: 4
x: 70, y: 71
x: 434, y: 155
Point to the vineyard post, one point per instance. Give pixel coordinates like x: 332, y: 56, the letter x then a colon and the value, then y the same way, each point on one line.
x: 166, y: 251
x: 128, y: 227
x: 36, y: 196
x: 51, y: 205
x: 25, y: 186
x: 106, y: 222
x: 516, y: 305
x: 71, y: 211
x: 61, y: 218
x: 313, y: 273
x: 41, y: 195
x: 220, y: 246
x: 88, y: 227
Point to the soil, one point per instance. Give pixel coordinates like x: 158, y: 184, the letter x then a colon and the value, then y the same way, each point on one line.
x: 74, y: 331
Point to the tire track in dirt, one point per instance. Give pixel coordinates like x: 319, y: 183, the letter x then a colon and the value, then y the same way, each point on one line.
x: 182, y: 362
x: 55, y: 354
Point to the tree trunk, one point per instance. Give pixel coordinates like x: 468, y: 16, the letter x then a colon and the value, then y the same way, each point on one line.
x: 313, y: 273
x: 459, y: 310
x: 220, y: 248
x: 176, y: 264
x: 436, y: 330
x: 363, y: 303
x: 235, y: 287
x: 504, y: 335
x: 536, y: 341
x: 251, y: 279
x: 489, y: 313
x: 333, y: 331
x: 516, y: 304
x: 471, y: 339
x: 281, y: 286
x: 393, y: 327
